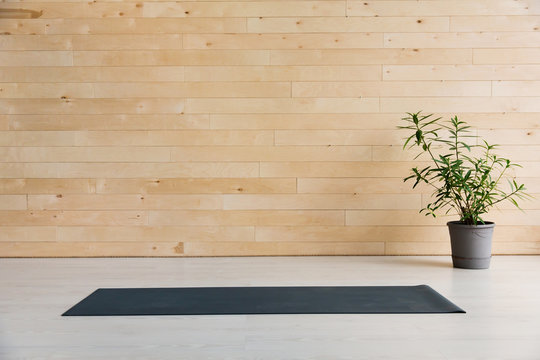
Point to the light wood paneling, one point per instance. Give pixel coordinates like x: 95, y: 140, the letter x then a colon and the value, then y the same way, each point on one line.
x: 464, y: 40
x: 83, y: 74
x: 362, y: 121
x: 47, y: 186
x: 527, y: 204
x: 273, y: 153
x: 283, y: 41
x: 36, y: 58
x: 437, y: 8
x: 462, y: 104
x: 247, y: 217
x: 170, y: 57
x: 91, y: 154
x: 91, y: 106
x: 283, y: 248
x: 507, y: 56
x: 129, y: 170
x: 414, y: 218
x: 512, y: 137
x: 135, y: 138
x: 302, y: 121
x: 338, y: 137
x: 198, y: 186
x: 90, y: 249
x: 157, y: 234
x: 13, y: 202
x: 462, y: 72
x: 494, y: 23
x: 44, y: 90
x: 193, y: 89
x: 4, y: 122
x: 516, y: 88
x: 18, y: 234
x: 516, y: 247
x: 314, y: 169
x: 329, y: 24
x: 517, y: 153
x: 283, y: 73
x: 294, y: 105
x: 417, y: 248
x: 404, y: 234
x: 106, y: 122
x: 244, y: 9
x: 123, y: 202
x: 393, y: 88
x: 325, y: 201
x: 371, y: 56
x: 36, y: 42
x: 70, y: 218
x: 124, y: 26
x: 93, y: 42
x: 252, y: 127
x: 373, y: 185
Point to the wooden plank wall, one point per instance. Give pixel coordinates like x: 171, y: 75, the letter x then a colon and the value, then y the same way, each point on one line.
x: 208, y: 128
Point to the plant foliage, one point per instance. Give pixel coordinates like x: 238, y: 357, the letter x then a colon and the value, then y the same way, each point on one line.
x: 470, y: 185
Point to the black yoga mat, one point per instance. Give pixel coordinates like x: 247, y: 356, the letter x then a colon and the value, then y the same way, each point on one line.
x: 264, y: 300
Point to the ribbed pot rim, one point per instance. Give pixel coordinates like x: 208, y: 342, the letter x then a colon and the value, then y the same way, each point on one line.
x: 487, y: 224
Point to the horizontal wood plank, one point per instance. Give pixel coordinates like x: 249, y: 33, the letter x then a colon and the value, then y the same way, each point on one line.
x: 329, y: 24
x: 106, y: 122
x: 283, y: 41
x: 70, y: 218
x: 283, y: 248
x: 325, y: 201
x: 193, y: 90
x: 123, y: 202
x: 337, y: 169
x: 106, y: 234
x: 246, y: 217
x: 128, y: 170
x: 494, y: 23
x: 212, y: 185
x: 462, y: 104
x: 90, y: 249
x: 435, y: 8
x: 271, y: 153
x: 357, y: 185
x: 168, y: 57
x: 91, y: 106
x: 371, y: 56
x: 294, y: 105
x: 283, y: 73
x: 136, y: 138
x: 404, y: 234
x: 462, y: 72
x: 25, y: 186
x: 458, y: 40
x: 13, y: 202
x: 119, y: 25
x: 84, y: 74
x: 391, y: 88
x: 507, y: 56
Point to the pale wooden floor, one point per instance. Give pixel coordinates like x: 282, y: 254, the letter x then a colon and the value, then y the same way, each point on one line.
x: 502, y: 304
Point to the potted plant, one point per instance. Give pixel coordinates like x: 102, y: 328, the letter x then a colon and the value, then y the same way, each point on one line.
x: 464, y: 180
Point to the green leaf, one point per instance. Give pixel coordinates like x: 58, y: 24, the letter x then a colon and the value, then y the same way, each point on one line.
x: 418, y: 136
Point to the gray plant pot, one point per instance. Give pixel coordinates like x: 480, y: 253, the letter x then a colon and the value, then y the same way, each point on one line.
x: 471, y: 244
